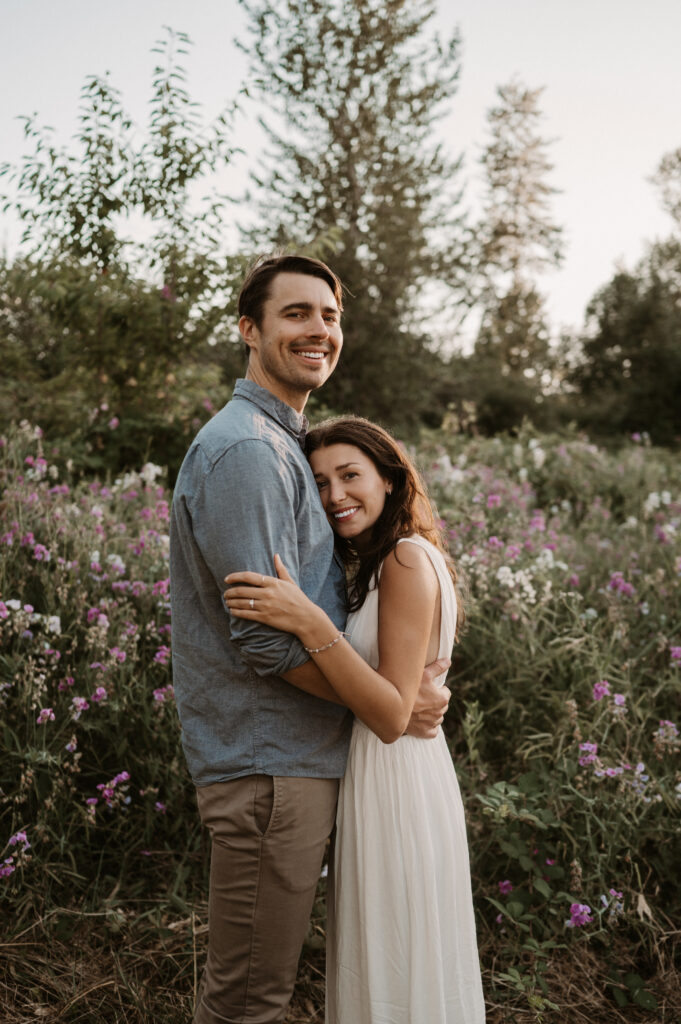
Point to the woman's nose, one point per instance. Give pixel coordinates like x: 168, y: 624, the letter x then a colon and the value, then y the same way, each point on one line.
x: 336, y: 491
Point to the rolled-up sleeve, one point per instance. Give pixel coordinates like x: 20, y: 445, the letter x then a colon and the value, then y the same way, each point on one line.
x: 244, y: 514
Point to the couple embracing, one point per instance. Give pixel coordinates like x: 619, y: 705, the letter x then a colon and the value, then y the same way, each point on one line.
x: 314, y: 612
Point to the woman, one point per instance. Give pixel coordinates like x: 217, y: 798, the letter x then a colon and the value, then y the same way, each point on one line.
x: 401, y: 945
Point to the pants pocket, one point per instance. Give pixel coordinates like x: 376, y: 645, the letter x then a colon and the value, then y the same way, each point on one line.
x: 263, y: 803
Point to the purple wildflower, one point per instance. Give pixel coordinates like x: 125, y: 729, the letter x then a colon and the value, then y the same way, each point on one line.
x: 601, y: 689
x: 580, y: 914
x: 589, y: 753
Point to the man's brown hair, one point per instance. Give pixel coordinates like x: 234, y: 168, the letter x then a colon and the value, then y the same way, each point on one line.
x: 255, y: 290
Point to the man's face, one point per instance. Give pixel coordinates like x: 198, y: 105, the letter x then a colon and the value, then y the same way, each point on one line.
x: 297, y: 346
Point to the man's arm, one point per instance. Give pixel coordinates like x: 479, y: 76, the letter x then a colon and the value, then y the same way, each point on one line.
x: 431, y: 703
x: 243, y: 514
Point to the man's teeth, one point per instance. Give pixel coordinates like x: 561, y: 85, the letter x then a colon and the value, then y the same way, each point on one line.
x: 313, y: 355
x: 345, y: 513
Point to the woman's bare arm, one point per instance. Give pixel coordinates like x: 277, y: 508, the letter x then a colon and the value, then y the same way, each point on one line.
x: 382, y: 699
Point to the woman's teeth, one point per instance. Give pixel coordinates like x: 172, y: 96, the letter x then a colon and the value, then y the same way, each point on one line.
x: 345, y: 512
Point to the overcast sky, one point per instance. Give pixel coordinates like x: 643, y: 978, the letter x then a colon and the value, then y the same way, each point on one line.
x: 611, y: 71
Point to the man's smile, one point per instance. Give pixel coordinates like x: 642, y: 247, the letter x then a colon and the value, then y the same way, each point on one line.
x: 313, y: 355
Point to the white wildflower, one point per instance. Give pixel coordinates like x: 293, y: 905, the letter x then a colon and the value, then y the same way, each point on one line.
x: 149, y: 472
x: 116, y: 563
x: 651, y: 503
x: 539, y: 457
x: 505, y: 576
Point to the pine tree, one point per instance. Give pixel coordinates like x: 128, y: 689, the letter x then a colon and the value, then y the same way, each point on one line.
x: 354, y: 175
x: 517, y: 237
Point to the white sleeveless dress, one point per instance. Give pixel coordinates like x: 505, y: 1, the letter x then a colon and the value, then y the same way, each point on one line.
x: 401, y: 943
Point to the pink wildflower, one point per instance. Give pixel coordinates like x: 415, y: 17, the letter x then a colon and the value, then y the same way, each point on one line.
x: 580, y: 914
x: 619, y: 585
x: 601, y: 689
x: 46, y: 715
x: 589, y: 753
x: 505, y: 887
x: 162, y: 655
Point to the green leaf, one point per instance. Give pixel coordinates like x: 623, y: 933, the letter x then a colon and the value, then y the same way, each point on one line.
x: 543, y: 887
x: 645, y: 999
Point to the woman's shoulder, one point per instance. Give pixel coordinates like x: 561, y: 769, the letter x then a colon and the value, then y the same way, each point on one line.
x: 409, y: 554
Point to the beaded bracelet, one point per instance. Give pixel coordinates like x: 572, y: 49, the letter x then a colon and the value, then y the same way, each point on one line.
x: 325, y: 647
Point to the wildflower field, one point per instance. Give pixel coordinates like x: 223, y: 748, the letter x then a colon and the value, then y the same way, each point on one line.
x: 563, y: 727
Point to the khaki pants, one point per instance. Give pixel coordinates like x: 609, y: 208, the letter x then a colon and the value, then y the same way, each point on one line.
x: 268, y: 839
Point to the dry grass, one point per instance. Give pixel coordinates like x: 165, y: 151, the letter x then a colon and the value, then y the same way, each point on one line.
x: 139, y: 965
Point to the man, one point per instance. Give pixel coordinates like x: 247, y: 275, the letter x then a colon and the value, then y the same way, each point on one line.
x: 265, y: 756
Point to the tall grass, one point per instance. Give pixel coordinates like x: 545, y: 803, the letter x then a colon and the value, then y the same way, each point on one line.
x: 562, y: 726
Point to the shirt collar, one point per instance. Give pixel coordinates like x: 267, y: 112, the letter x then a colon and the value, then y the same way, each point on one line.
x: 294, y: 422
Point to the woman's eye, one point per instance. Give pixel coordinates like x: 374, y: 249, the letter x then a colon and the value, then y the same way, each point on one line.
x: 320, y: 484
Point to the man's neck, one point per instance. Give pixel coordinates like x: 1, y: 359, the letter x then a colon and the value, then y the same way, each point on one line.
x: 297, y: 400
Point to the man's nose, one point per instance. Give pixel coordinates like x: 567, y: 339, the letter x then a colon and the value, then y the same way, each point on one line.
x: 317, y: 326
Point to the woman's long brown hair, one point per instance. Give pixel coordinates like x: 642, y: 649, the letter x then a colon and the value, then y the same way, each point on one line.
x: 407, y: 509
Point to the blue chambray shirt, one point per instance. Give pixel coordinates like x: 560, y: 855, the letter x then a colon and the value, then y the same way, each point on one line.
x: 245, y: 492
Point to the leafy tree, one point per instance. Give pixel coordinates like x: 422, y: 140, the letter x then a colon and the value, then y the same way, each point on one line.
x: 630, y: 375
x: 353, y: 174
x: 668, y: 180
x: 90, y: 318
x: 517, y: 238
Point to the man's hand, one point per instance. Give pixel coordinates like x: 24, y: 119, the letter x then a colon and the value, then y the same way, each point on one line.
x: 431, y: 702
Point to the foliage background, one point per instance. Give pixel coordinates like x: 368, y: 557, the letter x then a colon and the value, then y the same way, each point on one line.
x: 563, y: 725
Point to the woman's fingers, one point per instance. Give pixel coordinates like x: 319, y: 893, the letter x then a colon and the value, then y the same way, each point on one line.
x: 253, y: 579
x: 243, y: 591
x: 281, y: 570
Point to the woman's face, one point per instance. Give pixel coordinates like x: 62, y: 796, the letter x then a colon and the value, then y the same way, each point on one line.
x: 352, y: 490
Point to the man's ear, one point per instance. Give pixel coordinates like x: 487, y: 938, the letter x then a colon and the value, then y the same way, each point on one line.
x: 248, y: 330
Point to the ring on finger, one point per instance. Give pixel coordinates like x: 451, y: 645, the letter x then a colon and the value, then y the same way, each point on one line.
x: 252, y: 603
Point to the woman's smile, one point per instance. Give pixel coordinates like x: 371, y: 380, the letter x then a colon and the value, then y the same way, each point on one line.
x: 345, y: 513
x: 352, y: 490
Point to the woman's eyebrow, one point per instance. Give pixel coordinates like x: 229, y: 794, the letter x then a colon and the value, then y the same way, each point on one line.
x: 337, y: 469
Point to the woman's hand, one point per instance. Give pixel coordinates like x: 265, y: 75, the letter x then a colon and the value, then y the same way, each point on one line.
x: 275, y: 600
